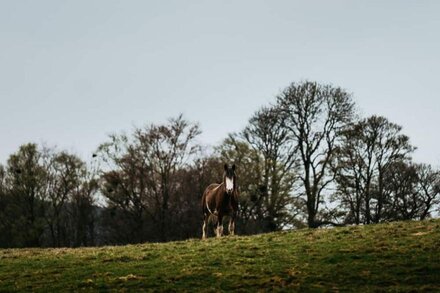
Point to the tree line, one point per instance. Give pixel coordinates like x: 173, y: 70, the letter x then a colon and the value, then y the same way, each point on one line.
x: 306, y: 160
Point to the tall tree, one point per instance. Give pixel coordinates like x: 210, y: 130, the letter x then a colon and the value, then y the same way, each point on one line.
x: 368, y: 149
x: 411, y: 189
x: 26, y: 178
x: 167, y: 148
x: 429, y: 188
x: 267, y: 135
x: 352, y: 173
x: 314, y: 114
x: 142, y: 184
x: 124, y: 186
x: 65, y: 174
x: 400, y: 198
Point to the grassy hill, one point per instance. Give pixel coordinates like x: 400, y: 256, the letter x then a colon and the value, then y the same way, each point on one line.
x: 401, y: 256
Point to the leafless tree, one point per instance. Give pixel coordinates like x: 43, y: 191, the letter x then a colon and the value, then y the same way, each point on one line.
x: 369, y: 148
x: 267, y: 135
x: 314, y: 114
x: 142, y: 181
x: 26, y: 178
x: 65, y: 173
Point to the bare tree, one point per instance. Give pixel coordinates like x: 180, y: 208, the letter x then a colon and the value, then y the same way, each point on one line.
x: 124, y: 186
x: 267, y: 135
x: 314, y: 114
x: 411, y: 191
x: 428, y: 187
x: 142, y: 183
x: 65, y: 175
x: 368, y: 150
x: 167, y: 148
x: 401, y: 200
x: 351, y: 174
x: 26, y: 178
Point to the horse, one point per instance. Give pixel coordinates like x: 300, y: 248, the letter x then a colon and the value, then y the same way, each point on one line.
x: 221, y: 200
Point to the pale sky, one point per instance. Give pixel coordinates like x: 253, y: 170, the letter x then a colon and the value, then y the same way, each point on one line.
x: 71, y: 72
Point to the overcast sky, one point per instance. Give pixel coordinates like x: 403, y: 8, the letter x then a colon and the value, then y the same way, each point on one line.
x: 71, y: 72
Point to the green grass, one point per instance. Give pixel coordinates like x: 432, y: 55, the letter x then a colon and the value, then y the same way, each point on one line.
x: 400, y: 256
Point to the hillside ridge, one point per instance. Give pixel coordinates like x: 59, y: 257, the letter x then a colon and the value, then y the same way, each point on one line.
x: 400, y: 256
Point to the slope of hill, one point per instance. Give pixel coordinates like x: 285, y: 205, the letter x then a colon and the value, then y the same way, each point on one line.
x: 400, y: 256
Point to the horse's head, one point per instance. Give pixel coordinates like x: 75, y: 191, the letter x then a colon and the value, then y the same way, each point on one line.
x: 229, y: 178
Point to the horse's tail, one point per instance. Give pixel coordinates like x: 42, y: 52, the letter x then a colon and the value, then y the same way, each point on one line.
x: 205, y: 205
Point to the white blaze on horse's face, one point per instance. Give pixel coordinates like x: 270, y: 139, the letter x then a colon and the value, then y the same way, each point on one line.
x: 229, y: 185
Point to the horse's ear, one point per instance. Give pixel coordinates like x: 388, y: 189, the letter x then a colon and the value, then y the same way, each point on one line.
x: 226, y: 167
x: 233, y: 167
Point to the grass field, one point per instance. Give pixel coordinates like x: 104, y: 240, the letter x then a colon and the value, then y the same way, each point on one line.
x: 400, y: 256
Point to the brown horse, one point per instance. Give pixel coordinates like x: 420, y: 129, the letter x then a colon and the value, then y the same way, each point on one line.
x: 221, y: 200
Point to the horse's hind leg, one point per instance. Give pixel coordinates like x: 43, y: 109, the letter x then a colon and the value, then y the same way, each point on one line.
x: 205, y: 226
x: 219, y: 225
x: 232, y: 225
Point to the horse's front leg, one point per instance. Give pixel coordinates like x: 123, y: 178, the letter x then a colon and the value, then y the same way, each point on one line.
x: 232, y: 225
x: 220, y: 225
